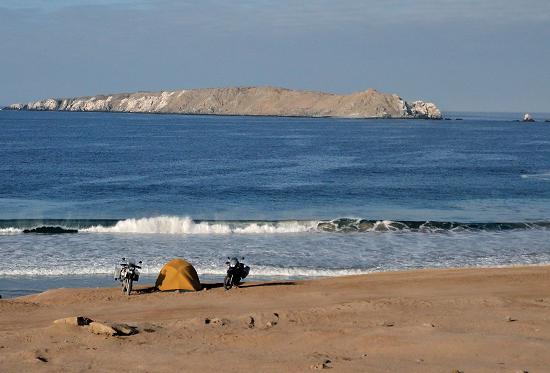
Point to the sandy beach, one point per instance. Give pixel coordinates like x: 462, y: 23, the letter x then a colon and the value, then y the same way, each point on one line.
x: 470, y: 320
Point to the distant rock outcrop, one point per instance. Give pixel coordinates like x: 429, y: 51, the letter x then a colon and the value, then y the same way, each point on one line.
x: 246, y: 101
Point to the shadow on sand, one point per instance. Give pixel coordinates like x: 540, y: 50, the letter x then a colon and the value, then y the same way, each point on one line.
x: 247, y: 285
x: 208, y: 286
x: 286, y: 283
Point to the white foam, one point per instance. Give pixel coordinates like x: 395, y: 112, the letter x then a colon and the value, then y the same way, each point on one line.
x: 268, y: 271
x: 185, y: 225
x: 260, y: 271
x: 542, y: 176
x: 388, y: 225
x: 10, y: 230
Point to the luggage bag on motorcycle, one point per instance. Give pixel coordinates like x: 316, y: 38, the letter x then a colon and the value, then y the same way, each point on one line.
x: 244, y: 271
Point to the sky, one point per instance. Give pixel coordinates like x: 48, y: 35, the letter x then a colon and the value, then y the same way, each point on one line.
x: 464, y: 55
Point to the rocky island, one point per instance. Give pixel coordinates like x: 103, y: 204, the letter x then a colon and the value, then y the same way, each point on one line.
x: 267, y: 101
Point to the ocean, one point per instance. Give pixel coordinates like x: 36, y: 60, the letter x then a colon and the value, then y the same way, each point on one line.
x: 297, y: 197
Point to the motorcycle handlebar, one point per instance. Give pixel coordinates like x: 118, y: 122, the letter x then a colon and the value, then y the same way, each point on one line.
x: 130, y: 265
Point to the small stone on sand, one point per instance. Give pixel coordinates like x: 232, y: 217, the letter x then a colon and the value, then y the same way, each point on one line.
x: 101, y: 329
x: 124, y: 329
x: 74, y: 321
x: 324, y: 365
x: 218, y: 322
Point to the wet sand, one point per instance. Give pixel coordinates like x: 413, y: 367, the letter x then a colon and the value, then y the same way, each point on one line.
x: 471, y: 320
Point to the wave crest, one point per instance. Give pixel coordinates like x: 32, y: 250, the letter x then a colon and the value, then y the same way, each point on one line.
x: 186, y: 225
x: 10, y: 230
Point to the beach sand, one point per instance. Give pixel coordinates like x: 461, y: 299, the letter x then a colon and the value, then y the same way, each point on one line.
x: 470, y: 320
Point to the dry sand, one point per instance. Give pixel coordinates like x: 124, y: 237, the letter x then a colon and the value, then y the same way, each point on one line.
x: 471, y: 320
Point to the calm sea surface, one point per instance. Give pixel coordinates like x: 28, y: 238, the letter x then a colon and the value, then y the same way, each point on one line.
x: 297, y: 197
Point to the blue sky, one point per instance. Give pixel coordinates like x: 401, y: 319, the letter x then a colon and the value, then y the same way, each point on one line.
x: 464, y: 55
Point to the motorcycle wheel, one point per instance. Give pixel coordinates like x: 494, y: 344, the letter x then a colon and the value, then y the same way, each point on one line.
x: 129, y: 288
x: 236, y: 281
x: 228, y: 282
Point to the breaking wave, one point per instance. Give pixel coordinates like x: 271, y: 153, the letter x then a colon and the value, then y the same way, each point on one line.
x: 185, y: 225
x: 178, y: 225
x: 257, y: 271
x: 10, y: 230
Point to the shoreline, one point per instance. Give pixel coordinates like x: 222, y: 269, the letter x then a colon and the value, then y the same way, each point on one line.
x: 100, y: 280
x: 429, y: 320
x: 103, y: 280
x: 7, y: 108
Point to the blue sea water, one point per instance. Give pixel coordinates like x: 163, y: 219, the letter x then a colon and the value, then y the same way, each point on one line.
x: 298, y: 197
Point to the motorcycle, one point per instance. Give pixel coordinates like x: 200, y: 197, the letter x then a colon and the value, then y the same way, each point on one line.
x: 236, y: 271
x: 127, y: 273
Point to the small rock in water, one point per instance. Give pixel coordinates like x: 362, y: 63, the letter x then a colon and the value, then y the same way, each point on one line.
x: 511, y: 319
x: 429, y: 325
x: 250, y: 322
x: 388, y: 323
x: 457, y: 371
x: 42, y: 359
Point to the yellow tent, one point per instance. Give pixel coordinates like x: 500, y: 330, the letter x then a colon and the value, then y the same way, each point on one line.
x: 178, y: 274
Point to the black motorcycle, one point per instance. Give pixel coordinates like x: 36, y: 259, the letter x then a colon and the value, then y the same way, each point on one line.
x: 127, y: 273
x: 236, y: 271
